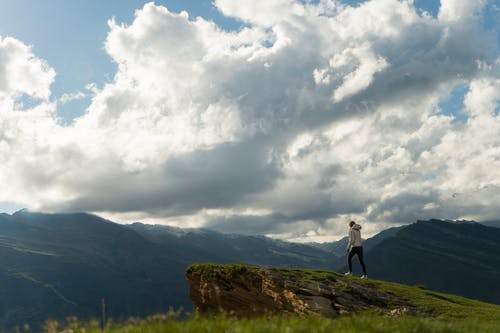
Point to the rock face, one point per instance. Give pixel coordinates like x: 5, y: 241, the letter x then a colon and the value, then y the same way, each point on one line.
x: 251, y: 291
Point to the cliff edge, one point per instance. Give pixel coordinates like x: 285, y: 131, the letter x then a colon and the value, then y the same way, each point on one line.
x: 253, y: 291
x: 249, y: 291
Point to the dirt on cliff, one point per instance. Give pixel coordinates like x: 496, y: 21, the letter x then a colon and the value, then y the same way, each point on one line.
x: 252, y: 291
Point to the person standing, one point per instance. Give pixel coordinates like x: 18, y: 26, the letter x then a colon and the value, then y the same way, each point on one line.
x: 355, y: 247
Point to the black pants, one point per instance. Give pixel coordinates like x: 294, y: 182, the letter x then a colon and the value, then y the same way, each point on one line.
x: 359, y: 251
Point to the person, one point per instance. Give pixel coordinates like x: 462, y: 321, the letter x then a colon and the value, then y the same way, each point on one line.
x: 355, y: 247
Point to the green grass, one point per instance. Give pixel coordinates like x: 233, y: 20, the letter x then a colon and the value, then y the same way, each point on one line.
x: 230, y: 271
x: 438, y: 305
x: 365, y: 323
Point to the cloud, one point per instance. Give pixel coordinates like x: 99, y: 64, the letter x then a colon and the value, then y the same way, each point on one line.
x: 308, y: 116
x: 460, y: 10
x: 362, y: 76
x: 260, y: 12
x: 69, y: 97
x: 483, y: 97
x: 21, y: 72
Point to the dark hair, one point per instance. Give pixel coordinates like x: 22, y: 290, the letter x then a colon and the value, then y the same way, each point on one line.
x: 352, y: 223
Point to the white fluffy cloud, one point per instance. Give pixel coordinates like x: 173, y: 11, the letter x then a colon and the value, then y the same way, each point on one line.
x: 308, y: 115
x: 361, y: 76
x: 21, y: 72
x: 261, y: 12
x: 460, y: 10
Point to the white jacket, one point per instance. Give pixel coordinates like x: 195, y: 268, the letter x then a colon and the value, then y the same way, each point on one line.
x: 354, y: 236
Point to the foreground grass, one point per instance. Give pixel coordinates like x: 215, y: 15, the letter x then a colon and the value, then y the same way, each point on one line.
x: 365, y: 323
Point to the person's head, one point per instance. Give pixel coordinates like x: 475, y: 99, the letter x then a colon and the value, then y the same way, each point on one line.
x: 351, y: 224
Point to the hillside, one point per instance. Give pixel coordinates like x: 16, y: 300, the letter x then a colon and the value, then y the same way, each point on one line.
x: 53, y: 266
x: 249, y: 291
x: 453, y: 257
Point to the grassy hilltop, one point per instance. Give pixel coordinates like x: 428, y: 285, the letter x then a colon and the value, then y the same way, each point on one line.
x: 432, y: 311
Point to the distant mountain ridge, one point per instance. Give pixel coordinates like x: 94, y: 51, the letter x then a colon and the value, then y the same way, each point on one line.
x: 202, y: 244
x: 339, y: 248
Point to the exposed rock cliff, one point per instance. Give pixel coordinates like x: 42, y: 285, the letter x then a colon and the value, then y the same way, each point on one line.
x: 252, y: 291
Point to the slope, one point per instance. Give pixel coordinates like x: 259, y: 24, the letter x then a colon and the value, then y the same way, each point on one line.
x: 254, y: 291
x: 57, y: 265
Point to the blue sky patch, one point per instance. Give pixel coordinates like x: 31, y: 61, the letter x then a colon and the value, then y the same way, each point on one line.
x: 453, y: 104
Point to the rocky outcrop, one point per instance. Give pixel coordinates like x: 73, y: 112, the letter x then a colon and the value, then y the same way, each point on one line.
x: 252, y: 291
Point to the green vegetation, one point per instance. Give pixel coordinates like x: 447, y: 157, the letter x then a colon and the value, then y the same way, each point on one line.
x: 365, y: 323
x: 310, y: 274
x: 230, y: 271
x: 438, y: 312
x: 441, y: 306
x: 437, y: 305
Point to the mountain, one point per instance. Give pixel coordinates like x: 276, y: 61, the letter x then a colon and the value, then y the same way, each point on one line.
x: 462, y: 258
x: 370, y: 243
x: 339, y: 248
x: 195, y: 245
x: 492, y: 223
x: 56, y: 265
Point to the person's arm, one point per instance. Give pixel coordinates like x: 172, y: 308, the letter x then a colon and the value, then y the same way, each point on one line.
x: 351, y: 239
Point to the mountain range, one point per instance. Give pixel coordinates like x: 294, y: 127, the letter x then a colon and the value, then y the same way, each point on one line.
x: 56, y: 265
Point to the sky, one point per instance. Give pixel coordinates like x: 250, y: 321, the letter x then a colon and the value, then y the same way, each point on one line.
x: 283, y: 118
